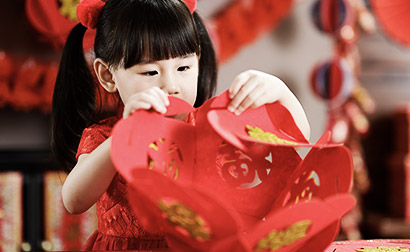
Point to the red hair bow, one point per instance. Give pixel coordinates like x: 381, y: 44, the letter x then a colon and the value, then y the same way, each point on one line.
x: 88, y: 11
x: 191, y: 5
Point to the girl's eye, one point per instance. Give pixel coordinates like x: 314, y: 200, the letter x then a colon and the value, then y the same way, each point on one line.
x: 150, y: 73
x: 183, y: 68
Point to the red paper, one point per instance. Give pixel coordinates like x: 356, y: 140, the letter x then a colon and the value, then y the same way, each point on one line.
x: 225, y: 182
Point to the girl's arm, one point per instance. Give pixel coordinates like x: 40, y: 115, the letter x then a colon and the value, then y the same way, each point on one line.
x: 252, y: 89
x: 89, y: 179
x: 94, y: 172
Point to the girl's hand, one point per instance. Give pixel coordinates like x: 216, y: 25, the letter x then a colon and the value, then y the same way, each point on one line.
x: 153, y: 98
x: 252, y: 89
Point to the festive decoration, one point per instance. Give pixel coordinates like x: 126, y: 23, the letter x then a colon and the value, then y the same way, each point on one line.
x: 332, y: 80
x: 394, y: 18
x: 54, y: 20
x: 63, y: 231
x: 11, y: 211
x: 26, y: 83
x: 331, y: 15
x: 336, y: 82
x: 241, y: 23
x: 215, y: 166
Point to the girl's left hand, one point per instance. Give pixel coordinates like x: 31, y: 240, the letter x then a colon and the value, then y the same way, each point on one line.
x: 252, y: 89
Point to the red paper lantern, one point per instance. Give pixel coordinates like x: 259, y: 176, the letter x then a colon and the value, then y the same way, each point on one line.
x: 331, y: 15
x: 332, y: 80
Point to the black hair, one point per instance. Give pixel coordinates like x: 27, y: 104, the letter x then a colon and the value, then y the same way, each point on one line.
x: 128, y: 32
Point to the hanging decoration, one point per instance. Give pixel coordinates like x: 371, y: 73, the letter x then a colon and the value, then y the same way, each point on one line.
x: 54, y: 19
x: 394, y: 18
x: 265, y: 196
x: 336, y: 82
x: 244, y: 21
x: 26, y: 83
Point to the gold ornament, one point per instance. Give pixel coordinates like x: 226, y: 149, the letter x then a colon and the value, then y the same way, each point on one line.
x: 278, y: 239
x: 259, y: 134
x: 181, y: 216
x: 69, y: 9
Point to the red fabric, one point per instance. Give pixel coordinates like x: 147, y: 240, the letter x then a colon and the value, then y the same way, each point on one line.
x: 118, y: 227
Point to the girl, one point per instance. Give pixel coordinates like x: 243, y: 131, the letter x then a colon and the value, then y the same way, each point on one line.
x: 145, y: 51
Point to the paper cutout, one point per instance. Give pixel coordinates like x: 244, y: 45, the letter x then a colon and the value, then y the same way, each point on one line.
x: 271, y: 124
x: 321, y: 174
x: 381, y: 245
x: 162, y: 146
x: 292, y: 229
x: 221, y: 181
x: 194, y: 224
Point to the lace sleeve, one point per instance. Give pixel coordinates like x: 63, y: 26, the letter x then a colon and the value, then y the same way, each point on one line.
x: 94, y: 135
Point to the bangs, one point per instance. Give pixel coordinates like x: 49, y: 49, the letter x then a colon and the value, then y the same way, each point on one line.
x: 162, y: 34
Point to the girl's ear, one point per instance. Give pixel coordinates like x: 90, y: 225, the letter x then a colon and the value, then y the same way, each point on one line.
x: 104, y: 75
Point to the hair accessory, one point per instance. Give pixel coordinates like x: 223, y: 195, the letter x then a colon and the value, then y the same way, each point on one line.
x: 191, y: 5
x: 88, y: 12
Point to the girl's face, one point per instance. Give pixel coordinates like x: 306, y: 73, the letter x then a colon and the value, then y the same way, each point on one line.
x: 176, y: 76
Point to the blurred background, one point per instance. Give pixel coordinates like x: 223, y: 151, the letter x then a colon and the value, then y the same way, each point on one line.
x: 348, y: 62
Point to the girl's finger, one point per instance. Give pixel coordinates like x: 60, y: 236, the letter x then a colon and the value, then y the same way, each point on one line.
x: 252, y: 100
x: 238, y: 82
x: 152, y: 97
x: 240, y: 96
x: 132, y: 106
x: 161, y: 95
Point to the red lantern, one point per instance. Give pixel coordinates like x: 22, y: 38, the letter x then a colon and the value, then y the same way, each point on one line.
x: 332, y: 80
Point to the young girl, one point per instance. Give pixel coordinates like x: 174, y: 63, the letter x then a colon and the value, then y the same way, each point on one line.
x: 145, y: 51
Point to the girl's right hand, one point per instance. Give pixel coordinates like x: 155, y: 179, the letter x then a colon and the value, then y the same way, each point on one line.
x: 152, y: 98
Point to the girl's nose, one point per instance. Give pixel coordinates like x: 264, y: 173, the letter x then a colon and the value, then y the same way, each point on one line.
x: 169, y: 86
x: 171, y: 89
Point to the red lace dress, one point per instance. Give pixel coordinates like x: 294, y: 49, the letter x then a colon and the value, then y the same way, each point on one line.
x: 118, y: 227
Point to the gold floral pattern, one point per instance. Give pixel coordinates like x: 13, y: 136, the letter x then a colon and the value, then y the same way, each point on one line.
x: 278, y: 239
x: 259, y: 134
x: 181, y: 216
